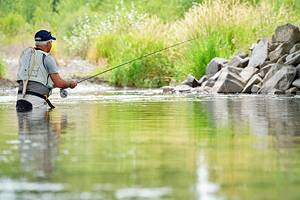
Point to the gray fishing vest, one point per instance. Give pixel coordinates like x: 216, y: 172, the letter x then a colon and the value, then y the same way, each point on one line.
x: 32, y: 68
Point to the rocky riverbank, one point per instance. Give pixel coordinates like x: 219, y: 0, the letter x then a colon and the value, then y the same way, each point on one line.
x: 273, y: 67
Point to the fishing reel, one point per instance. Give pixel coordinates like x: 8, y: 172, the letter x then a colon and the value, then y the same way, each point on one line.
x: 63, y: 93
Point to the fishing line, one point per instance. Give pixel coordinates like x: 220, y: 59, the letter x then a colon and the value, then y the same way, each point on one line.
x: 138, y: 58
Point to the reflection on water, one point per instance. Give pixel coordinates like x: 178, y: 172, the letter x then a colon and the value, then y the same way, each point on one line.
x: 263, y: 115
x: 254, y: 150
x: 224, y: 147
x: 38, y: 142
x: 206, y: 190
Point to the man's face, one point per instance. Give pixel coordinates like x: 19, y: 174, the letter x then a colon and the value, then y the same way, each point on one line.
x: 49, y: 46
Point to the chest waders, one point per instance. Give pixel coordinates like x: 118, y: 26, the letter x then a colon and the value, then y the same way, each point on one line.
x: 32, y: 68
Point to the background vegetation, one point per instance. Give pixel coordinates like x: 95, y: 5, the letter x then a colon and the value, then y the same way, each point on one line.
x: 109, y: 32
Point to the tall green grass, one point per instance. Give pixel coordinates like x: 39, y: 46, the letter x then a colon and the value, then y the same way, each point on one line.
x: 225, y: 28
x: 11, y: 24
x: 154, y: 71
x: 199, y: 54
x: 167, y: 10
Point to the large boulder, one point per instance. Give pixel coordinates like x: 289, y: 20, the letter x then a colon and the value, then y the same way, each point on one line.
x: 235, y: 70
x: 295, y: 48
x: 248, y: 72
x: 292, y: 90
x: 273, y: 45
x: 255, y: 88
x: 202, y: 80
x: 296, y: 83
x: 211, y: 81
x: 214, y: 66
x: 281, y: 80
x: 293, y: 59
x: 228, y: 82
x: 274, y: 68
x: 237, y: 61
x: 281, y: 50
x: 298, y: 71
x: 254, y: 80
x: 265, y: 64
x: 287, y: 33
x: 282, y: 60
x: 263, y: 71
x: 242, y: 55
x: 259, y: 54
x: 191, y: 81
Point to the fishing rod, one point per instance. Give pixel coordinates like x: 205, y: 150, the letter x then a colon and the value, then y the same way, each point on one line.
x: 64, y: 93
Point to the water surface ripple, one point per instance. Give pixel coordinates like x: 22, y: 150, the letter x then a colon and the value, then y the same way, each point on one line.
x: 145, y: 145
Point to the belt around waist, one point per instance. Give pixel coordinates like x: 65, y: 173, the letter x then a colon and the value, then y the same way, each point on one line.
x: 45, y: 97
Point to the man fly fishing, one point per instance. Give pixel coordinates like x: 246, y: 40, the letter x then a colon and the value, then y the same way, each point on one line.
x: 38, y: 74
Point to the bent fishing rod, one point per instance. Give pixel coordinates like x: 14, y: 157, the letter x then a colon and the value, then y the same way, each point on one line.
x: 138, y: 58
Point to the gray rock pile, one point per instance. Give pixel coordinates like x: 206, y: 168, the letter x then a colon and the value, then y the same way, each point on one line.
x: 273, y: 67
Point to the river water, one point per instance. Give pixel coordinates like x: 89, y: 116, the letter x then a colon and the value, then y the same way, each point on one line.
x: 144, y: 145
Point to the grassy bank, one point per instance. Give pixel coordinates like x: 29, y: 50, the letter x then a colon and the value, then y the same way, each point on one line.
x: 111, y: 32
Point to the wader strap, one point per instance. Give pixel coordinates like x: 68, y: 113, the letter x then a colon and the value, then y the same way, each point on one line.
x: 41, y: 96
x: 25, y: 82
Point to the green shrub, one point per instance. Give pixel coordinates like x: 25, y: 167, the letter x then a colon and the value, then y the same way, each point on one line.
x: 40, y: 16
x: 2, y: 69
x: 153, y: 71
x: 12, y: 24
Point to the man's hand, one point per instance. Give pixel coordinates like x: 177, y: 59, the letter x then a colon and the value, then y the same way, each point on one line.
x: 73, y: 84
x: 60, y: 83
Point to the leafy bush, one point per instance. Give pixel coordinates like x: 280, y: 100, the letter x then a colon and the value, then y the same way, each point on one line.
x: 40, y: 15
x: 12, y: 24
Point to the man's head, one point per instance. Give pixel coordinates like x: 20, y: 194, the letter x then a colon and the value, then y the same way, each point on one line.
x: 43, y: 40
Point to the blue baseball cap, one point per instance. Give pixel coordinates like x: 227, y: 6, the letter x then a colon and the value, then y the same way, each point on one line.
x: 43, y: 35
